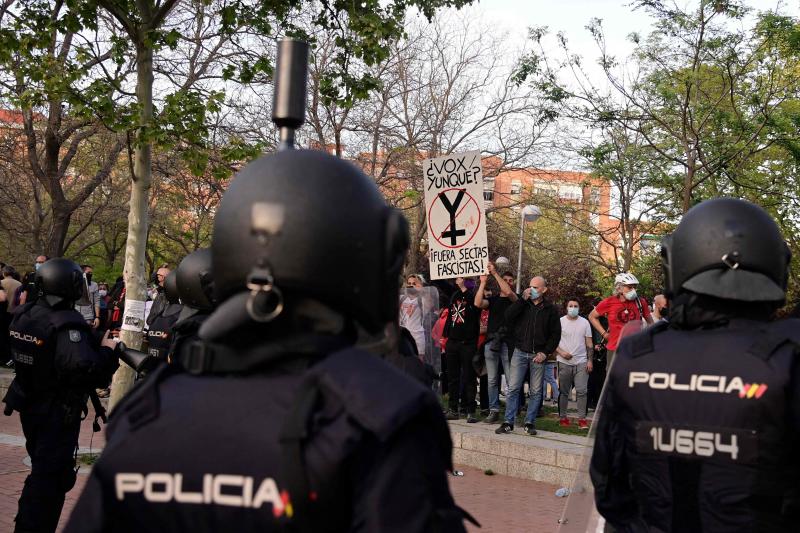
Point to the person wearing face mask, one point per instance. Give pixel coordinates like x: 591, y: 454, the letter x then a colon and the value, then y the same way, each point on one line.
x: 89, y: 304
x: 623, y: 307
x: 537, y: 332
x: 102, y: 302
x: 30, y: 293
x: 158, y: 297
x: 660, y: 308
x: 412, y: 311
x: 575, y: 354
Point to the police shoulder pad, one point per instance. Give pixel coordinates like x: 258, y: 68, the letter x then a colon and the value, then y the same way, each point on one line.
x: 74, y: 335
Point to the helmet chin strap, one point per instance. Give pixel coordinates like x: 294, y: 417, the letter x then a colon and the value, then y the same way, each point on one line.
x: 303, y: 315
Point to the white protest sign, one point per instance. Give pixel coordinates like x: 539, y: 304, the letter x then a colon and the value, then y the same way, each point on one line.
x: 133, y: 319
x: 456, y: 217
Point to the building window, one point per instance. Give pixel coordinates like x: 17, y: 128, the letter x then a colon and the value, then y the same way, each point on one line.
x: 516, y: 187
x: 546, y: 189
x: 569, y: 192
x: 488, y: 195
x: 595, y: 196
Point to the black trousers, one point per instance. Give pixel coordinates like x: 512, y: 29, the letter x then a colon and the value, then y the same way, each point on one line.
x: 460, y: 371
x: 596, y: 381
x: 51, y: 438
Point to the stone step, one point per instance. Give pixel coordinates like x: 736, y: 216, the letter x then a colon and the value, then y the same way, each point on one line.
x: 548, y: 457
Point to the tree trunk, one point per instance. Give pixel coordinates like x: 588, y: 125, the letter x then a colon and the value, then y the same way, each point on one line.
x: 419, y: 230
x: 58, y: 233
x: 135, y: 283
x: 688, y: 184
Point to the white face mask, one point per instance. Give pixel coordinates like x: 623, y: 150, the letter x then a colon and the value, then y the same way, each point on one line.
x: 102, y: 292
x: 630, y: 295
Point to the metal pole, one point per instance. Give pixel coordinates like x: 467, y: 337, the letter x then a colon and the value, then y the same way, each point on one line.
x: 519, y: 261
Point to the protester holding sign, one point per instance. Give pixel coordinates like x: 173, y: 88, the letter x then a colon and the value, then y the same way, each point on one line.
x: 500, y: 344
x: 462, y: 330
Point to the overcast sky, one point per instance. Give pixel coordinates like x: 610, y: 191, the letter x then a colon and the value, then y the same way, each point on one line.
x: 572, y: 16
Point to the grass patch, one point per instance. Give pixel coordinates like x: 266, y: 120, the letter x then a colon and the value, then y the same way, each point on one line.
x: 551, y: 424
x: 88, y: 459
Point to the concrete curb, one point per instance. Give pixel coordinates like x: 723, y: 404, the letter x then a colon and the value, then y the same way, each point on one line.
x: 548, y: 457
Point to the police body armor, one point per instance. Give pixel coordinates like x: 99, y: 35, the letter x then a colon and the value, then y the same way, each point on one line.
x: 336, y: 419
x: 160, y: 333
x: 703, y: 446
x: 34, y: 337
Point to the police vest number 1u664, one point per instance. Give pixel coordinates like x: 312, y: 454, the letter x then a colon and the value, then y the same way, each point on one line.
x: 689, y: 442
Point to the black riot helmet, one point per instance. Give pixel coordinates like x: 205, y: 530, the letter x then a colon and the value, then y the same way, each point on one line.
x: 171, y: 287
x: 193, y: 280
x: 730, y: 249
x: 308, y: 224
x: 60, y: 281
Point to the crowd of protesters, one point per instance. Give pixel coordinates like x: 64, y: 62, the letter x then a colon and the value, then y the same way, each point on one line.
x: 488, y: 336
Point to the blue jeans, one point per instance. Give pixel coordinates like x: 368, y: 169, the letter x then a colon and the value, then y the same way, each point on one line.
x: 496, y: 353
x: 550, y: 377
x: 522, y: 363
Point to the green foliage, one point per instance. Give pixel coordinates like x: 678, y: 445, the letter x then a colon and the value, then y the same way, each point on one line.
x: 712, y: 110
x: 647, y: 270
x: 104, y: 273
x: 552, y: 249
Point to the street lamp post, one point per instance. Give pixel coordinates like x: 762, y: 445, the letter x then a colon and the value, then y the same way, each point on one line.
x: 529, y: 213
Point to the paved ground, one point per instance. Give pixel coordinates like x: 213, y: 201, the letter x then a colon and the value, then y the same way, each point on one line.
x: 13, y: 471
x: 501, y: 504
x: 505, y: 504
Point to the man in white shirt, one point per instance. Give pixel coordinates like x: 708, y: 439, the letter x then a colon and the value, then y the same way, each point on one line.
x: 575, y: 353
x: 415, y: 304
x: 89, y: 305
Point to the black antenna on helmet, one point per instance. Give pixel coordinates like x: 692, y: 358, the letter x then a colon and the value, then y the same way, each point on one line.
x: 289, y: 98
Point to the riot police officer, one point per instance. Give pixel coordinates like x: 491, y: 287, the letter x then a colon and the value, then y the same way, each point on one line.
x: 160, y: 332
x: 57, y: 364
x: 699, y: 428
x: 194, y: 286
x: 301, y: 431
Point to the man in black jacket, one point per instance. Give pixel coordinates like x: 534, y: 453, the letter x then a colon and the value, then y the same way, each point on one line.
x: 537, y: 332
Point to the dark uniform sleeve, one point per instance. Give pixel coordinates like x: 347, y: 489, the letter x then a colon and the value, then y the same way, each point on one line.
x: 609, y: 467
x: 403, y: 484
x: 79, y: 363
